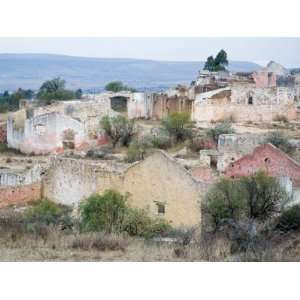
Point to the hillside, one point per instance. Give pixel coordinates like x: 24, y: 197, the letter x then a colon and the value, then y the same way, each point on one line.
x: 30, y: 70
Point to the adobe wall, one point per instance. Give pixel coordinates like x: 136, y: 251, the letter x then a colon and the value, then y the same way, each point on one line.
x: 242, y: 113
x: 68, y: 181
x: 19, y: 194
x: 159, y: 179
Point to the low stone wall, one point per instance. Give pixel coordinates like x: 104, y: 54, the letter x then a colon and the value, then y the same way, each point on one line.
x: 242, y: 112
x: 19, y: 194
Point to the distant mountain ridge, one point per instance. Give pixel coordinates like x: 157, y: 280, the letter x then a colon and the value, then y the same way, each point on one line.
x: 30, y: 70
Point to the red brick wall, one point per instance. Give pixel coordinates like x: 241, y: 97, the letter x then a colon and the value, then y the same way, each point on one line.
x: 267, y: 158
x: 19, y: 194
x: 2, y: 133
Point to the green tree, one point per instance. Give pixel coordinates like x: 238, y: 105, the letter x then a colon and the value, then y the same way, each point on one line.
x: 178, y: 125
x: 118, y: 86
x: 104, y: 212
x: 55, y: 90
x: 221, y: 61
x: 78, y: 93
x: 217, y: 64
x: 209, y: 64
x: 119, y: 128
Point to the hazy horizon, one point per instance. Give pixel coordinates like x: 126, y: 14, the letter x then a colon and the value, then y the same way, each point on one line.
x: 257, y: 50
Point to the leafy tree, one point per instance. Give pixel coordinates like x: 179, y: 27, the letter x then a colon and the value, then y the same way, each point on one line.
x: 225, y: 201
x: 209, y: 64
x: 55, y: 90
x: 257, y: 197
x: 218, y: 63
x: 78, y: 94
x: 178, y: 125
x: 53, y: 85
x: 221, y: 61
x: 118, y: 86
x: 264, y: 196
x: 104, y: 212
x: 119, y: 128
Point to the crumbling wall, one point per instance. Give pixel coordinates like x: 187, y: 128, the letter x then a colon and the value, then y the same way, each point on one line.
x: 157, y: 180
x: 269, y: 159
x: 140, y: 105
x: 68, y: 181
x: 20, y: 194
x: 44, y: 133
x: 232, y: 147
x: 250, y: 95
x: 160, y: 180
x: 242, y: 113
x: 264, y: 79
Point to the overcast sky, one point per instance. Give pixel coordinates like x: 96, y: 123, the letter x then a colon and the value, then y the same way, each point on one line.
x: 260, y: 50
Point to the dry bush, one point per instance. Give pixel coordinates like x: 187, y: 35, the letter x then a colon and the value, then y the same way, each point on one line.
x: 100, y: 242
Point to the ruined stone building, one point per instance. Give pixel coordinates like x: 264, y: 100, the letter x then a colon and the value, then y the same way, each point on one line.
x: 274, y: 162
x: 158, y: 185
x: 45, y: 133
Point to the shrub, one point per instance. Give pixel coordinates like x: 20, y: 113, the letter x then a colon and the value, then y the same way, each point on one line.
x: 110, y: 213
x: 178, y: 125
x: 138, y: 223
x: 220, y: 128
x: 281, y: 118
x: 264, y: 196
x: 279, y: 140
x: 3, y: 147
x: 257, y: 197
x: 224, y: 201
x: 99, y: 241
x: 119, y: 129
x: 103, y: 212
x: 289, y: 219
x: 44, y: 211
x: 137, y: 150
x: 160, y: 141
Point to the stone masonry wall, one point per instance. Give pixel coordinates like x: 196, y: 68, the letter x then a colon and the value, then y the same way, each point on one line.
x: 158, y: 179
